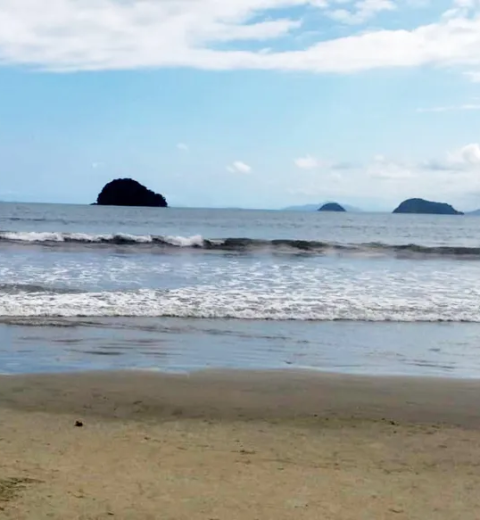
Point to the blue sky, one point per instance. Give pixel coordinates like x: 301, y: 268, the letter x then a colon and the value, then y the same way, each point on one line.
x: 245, y: 103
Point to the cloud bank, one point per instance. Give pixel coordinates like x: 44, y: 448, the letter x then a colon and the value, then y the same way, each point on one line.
x: 78, y: 35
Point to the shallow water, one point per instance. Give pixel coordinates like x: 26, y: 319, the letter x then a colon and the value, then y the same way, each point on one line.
x: 183, y: 345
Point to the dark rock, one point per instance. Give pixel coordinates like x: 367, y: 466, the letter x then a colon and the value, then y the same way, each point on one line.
x: 78, y: 424
x: 426, y: 207
x: 127, y: 192
x: 332, y: 206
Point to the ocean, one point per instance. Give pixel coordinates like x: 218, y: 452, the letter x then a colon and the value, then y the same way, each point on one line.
x: 106, y: 288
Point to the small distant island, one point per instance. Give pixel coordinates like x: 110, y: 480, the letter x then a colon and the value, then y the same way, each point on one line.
x: 128, y: 192
x: 314, y: 207
x: 421, y: 206
x: 332, y: 206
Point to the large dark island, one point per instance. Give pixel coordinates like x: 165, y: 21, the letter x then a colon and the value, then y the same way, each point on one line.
x: 421, y: 206
x: 128, y: 192
x: 332, y: 206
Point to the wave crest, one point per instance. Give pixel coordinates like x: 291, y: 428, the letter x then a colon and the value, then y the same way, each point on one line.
x: 238, y: 244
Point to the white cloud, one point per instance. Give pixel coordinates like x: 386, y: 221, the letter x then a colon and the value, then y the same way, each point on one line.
x: 451, y: 108
x: 239, y: 167
x: 467, y: 157
x: 307, y: 163
x: 453, y: 177
x: 363, y: 11
x: 466, y: 4
x: 471, y: 154
x: 182, y: 147
x: 474, y: 76
x: 125, y: 34
x: 385, y: 169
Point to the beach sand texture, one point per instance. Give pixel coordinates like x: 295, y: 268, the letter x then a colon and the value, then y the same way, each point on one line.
x: 231, y: 445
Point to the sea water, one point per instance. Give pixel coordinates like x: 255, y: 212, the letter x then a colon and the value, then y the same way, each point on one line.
x: 90, y: 287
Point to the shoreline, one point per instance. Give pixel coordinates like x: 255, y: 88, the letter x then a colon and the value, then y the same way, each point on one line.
x: 246, y: 394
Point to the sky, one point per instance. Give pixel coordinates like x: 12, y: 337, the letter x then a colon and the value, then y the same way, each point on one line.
x: 242, y: 103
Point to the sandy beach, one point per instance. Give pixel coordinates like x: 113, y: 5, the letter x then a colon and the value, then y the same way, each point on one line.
x: 238, y: 445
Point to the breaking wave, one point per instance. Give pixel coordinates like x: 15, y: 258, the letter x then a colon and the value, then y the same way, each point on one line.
x: 237, y: 244
x: 211, y: 303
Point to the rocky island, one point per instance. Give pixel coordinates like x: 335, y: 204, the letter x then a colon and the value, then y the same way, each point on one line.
x: 332, y: 206
x: 128, y: 192
x: 421, y: 206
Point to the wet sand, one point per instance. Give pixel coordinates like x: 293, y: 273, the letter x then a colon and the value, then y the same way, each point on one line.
x: 238, y: 445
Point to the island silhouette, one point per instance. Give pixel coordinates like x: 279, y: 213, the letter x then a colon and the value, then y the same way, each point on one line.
x: 128, y: 192
x: 427, y: 207
x: 332, y: 206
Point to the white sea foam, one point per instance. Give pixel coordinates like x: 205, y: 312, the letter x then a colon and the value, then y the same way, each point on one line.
x: 32, y: 236
x: 209, y: 302
x: 236, y: 286
x: 195, y: 241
